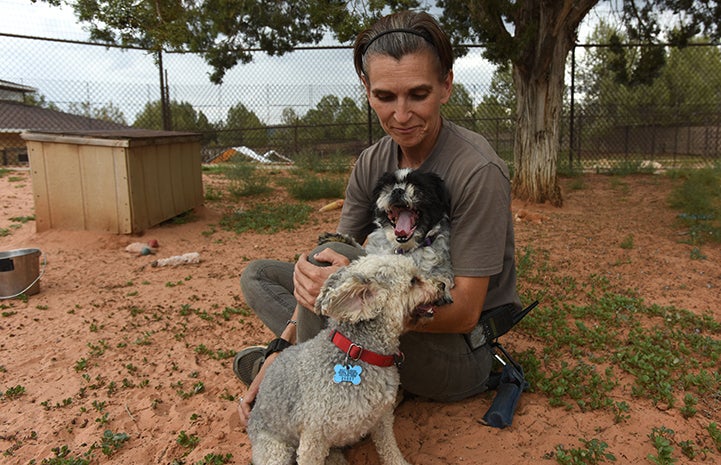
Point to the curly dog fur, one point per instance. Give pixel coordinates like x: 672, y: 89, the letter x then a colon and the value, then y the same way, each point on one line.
x: 410, y: 210
x: 301, y: 412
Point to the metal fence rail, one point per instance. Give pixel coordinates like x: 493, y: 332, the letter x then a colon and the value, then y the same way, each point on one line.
x: 311, y: 101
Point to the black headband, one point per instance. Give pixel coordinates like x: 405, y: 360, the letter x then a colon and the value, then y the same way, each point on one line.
x: 391, y: 31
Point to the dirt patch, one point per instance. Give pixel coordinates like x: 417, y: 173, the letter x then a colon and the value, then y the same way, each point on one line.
x: 112, y: 343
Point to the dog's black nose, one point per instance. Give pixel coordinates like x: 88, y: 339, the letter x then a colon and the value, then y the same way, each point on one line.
x: 397, y: 194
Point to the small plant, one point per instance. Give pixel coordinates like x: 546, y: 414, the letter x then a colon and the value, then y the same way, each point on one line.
x: 699, y: 200
x: 245, y: 179
x: 188, y: 441
x: 715, y: 434
x: 22, y: 219
x: 620, y: 411
x: 689, y: 406
x: 215, y: 459
x: 697, y: 255
x: 688, y: 448
x: 661, y: 440
x: 96, y: 350
x: 62, y: 457
x: 627, y: 242
x: 213, y: 195
x: 593, y: 453
x: 99, y: 405
x: 14, y: 392
x: 267, y: 218
x: 111, y: 442
x: 81, y: 365
x: 314, y: 188
x: 197, y: 389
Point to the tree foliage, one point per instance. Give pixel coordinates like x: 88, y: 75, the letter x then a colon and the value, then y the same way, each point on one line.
x: 183, y: 115
x: 107, y: 112
x: 242, y: 127
x: 683, y: 91
x: 535, y: 36
x: 225, y: 32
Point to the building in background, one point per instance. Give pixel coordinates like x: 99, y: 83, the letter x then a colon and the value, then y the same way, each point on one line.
x: 16, y: 116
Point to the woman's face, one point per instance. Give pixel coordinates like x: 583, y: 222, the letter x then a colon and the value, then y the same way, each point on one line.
x: 406, y: 95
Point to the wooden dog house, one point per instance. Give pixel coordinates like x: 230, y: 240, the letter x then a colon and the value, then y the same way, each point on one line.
x: 121, y: 181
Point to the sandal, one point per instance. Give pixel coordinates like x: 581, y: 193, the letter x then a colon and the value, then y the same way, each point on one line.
x: 247, y: 363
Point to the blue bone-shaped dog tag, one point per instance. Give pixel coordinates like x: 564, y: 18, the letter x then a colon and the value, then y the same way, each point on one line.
x: 347, y: 374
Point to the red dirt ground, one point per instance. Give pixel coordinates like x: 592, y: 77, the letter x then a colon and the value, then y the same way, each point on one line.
x: 111, y: 343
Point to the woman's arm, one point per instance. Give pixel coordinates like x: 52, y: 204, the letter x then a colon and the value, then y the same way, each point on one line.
x: 461, y: 316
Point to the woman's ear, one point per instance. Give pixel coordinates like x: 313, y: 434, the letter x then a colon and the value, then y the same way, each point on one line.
x: 366, y: 84
x: 447, y: 87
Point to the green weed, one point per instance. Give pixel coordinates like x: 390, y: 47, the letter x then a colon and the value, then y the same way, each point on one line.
x: 661, y: 438
x: 215, y: 459
x: 23, y: 219
x: 187, y: 441
x: 197, y: 388
x: 698, y: 198
x: 627, y: 242
x: 246, y: 179
x: 111, y: 442
x: 593, y: 453
x: 689, y: 406
x: 267, y: 218
x: 313, y: 188
x: 715, y: 433
x: 14, y: 392
x: 332, y: 163
x: 62, y: 457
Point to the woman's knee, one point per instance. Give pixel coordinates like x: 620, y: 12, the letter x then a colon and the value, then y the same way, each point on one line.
x: 351, y: 252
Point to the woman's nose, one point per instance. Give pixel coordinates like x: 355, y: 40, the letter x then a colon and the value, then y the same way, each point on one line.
x: 402, y: 111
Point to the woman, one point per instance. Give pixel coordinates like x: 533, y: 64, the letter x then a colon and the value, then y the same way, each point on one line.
x: 405, y: 62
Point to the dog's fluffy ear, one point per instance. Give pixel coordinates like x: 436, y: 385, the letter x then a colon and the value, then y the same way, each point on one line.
x: 345, y: 297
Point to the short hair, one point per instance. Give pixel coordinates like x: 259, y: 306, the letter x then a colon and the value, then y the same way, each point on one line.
x: 401, y: 34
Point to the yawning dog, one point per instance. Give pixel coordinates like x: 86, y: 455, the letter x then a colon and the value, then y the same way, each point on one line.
x: 334, y: 389
x: 411, y: 215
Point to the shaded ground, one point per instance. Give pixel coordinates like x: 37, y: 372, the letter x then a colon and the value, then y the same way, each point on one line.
x: 111, y: 343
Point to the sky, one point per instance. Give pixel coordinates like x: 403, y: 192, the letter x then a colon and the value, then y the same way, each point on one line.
x: 269, y: 84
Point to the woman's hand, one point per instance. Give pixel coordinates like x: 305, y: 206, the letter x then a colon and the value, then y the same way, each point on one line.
x: 309, y: 278
x: 246, y: 402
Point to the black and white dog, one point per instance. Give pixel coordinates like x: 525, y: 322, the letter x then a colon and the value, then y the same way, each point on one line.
x: 411, y: 211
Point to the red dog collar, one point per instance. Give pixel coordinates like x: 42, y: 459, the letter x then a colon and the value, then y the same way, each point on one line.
x: 357, y: 352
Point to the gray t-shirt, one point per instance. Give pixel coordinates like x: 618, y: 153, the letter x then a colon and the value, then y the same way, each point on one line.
x: 482, y: 242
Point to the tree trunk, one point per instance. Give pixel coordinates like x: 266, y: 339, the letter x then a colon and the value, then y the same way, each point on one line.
x: 539, y: 94
x: 545, y: 31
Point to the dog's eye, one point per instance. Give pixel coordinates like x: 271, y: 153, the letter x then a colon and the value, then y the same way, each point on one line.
x: 414, y: 281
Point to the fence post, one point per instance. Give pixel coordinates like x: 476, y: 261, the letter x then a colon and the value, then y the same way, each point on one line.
x: 164, y: 105
x: 571, y: 112
x: 370, y: 122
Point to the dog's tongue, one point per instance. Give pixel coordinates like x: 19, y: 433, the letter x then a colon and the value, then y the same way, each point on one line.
x: 404, y: 223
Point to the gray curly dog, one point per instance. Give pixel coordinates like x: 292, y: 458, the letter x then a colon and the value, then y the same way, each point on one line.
x: 340, y: 386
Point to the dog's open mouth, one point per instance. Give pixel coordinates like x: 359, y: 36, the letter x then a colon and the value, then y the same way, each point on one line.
x: 404, y: 222
x: 424, y: 311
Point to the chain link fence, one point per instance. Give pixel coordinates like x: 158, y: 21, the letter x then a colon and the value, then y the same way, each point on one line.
x: 310, y: 101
